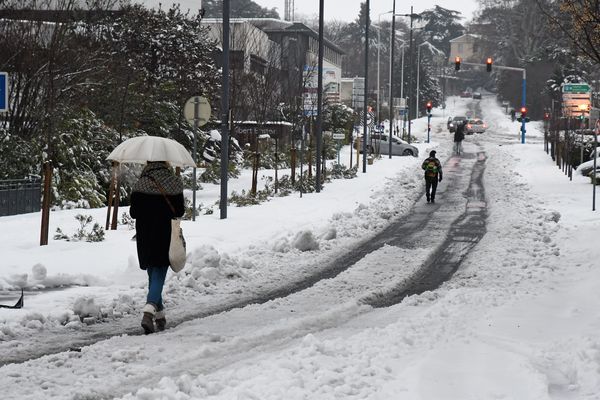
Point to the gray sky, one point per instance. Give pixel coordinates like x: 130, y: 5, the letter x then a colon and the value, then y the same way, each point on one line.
x: 347, y: 10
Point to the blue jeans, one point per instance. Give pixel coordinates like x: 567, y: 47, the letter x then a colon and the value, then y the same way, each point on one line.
x: 156, y: 280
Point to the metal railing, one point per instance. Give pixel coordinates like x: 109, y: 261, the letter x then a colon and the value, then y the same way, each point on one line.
x: 20, y: 196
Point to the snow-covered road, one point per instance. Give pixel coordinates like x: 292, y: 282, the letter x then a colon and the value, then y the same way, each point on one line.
x: 485, y: 334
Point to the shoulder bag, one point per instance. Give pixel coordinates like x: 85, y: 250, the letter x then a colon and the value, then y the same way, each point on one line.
x: 177, y: 252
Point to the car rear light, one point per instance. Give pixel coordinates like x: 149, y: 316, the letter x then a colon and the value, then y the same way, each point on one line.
x: 469, y: 126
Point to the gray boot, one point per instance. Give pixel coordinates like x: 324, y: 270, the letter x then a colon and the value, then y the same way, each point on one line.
x: 161, y: 321
x: 148, y: 318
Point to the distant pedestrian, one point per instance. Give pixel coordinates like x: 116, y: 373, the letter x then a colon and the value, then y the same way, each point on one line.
x: 157, y: 197
x: 512, y: 114
x: 433, y: 175
x: 459, y: 135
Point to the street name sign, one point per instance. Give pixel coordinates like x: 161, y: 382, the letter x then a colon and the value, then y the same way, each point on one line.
x: 338, y: 136
x: 576, y: 88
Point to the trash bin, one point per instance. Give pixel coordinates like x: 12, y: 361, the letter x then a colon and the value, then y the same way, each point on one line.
x: 370, y: 160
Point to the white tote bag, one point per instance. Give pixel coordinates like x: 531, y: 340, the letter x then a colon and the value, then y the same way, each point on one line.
x: 177, y: 255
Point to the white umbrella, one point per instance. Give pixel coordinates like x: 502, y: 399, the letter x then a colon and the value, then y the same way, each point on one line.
x: 152, y: 148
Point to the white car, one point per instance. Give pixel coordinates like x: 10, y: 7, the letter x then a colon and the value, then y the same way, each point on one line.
x: 380, y: 144
x: 475, y: 126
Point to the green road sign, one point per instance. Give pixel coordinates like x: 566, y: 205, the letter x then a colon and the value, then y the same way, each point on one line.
x: 575, y: 88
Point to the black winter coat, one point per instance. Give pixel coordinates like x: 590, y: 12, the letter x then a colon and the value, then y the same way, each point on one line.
x: 153, y: 226
x: 459, y: 133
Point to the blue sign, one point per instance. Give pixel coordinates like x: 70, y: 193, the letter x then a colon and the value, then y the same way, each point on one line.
x: 3, y: 91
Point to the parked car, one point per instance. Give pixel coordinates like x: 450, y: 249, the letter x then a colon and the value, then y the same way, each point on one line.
x: 381, y: 143
x: 452, y: 123
x: 466, y: 94
x: 475, y: 126
x: 477, y: 95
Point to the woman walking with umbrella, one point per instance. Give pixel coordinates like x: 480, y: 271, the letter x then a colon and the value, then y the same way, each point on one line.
x: 156, y: 199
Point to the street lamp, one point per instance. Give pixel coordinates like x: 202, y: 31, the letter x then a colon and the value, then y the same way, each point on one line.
x: 378, y: 62
x: 366, y: 93
x: 224, y: 112
x: 412, y: 16
x: 418, y: 73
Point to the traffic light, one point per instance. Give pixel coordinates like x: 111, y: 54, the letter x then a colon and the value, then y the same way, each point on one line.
x: 523, y: 116
x: 546, y: 116
x: 457, y: 64
x: 429, y: 106
x: 488, y: 64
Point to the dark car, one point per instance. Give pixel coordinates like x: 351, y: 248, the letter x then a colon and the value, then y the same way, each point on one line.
x: 477, y: 95
x: 455, y: 121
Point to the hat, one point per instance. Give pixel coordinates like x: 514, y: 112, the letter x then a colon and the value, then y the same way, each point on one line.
x: 432, y: 153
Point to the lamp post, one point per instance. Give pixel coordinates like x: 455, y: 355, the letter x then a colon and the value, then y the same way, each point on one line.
x: 391, y: 104
x: 366, y: 92
x: 379, y: 62
x: 412, y: 17
x: 418, y: 75
x: 319, y: 155
x: 224, y: 113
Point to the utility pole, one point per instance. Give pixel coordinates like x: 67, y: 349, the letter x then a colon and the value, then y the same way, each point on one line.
x: 412, y: 16
x: 224, y: 113
x: 391, y: 104
x: 379, y: 65
x: 366, y: 90
x: 319, y: 102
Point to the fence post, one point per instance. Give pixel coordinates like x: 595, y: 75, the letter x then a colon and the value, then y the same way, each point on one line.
x: 47, y: 172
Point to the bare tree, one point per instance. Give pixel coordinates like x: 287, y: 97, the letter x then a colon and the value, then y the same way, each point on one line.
x: 582, y: 25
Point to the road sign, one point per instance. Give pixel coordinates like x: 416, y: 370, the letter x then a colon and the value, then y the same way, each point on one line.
x: 203, y: 110
x: 3, y: 91
x: 575, y: 88
x: 338, y: 136
x: 576, y: 104
x: 399, y: 102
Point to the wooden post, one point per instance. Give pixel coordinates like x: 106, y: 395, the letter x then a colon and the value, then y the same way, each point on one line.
x: 293, y: 162
x: 253, y: 188
x: 116, y: 197
x: 47, y: 172
x: 276, y: 162
x: 111, y: 193
x: 310, y: 147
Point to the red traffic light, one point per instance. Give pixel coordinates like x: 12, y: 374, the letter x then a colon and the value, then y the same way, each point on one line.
x: 546, y: 116
x: 429, y: 106
x: 523, y: 111
x: 488, y: 64
x: 457, y: 63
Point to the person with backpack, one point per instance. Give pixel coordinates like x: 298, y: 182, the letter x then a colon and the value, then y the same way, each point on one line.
x: 433, y: 174
x: 459, y: 135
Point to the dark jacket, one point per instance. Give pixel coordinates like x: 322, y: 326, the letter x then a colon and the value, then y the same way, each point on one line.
x: 459, y: 133
x: 153, y: 218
